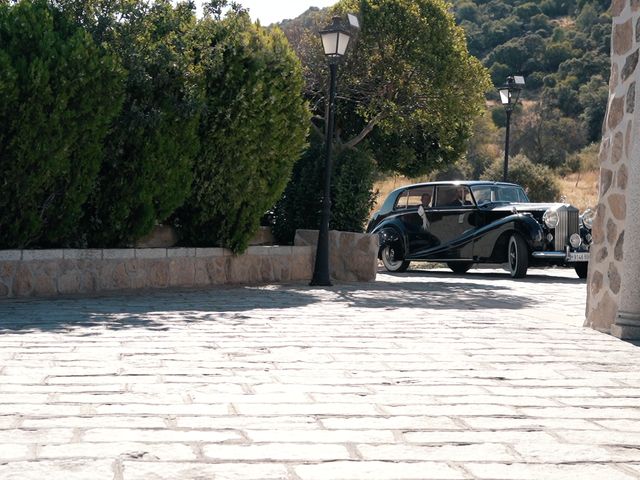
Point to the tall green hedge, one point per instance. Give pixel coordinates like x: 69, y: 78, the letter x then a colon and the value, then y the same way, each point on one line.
x: 104, y: 107
x: 251, y: 133
x: 148, y: 170
x: 58, y: 95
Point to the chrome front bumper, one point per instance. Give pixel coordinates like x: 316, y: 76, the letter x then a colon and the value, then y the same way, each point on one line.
x: 566, y: 256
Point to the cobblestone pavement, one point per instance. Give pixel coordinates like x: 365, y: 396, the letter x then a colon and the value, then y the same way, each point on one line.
x: 423, y: 375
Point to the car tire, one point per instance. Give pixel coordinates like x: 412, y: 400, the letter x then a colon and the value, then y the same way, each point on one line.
x: 459, y: 267
x: 581, y: 269
x: 387, y: 254
x: 517, y: 256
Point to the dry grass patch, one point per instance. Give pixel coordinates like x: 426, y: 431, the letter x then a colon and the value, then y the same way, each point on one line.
x: 388, y: 185
x: 581, y: 189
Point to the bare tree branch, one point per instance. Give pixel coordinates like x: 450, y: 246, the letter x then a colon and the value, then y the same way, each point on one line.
x: 365, y: 131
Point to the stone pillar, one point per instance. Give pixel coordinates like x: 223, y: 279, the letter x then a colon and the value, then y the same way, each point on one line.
x: 627, y: 323
x: 619, y: 150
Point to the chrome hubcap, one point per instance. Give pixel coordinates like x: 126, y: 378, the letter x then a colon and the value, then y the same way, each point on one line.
x: 389, y: 257
x: 512, y: 255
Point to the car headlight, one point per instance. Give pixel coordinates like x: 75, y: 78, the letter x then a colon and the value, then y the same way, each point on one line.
x: 551, y: 218
x: 587, y: 218
x: 575, y: 240
x: 588, y: 238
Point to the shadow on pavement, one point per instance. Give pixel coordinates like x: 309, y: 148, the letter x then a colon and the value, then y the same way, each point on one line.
x: 162, y: 310
x: 537, y: 277
x: 433, y: 295
x: 149, y: 310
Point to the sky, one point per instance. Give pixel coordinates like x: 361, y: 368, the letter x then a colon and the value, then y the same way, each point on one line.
x: 272, y: 11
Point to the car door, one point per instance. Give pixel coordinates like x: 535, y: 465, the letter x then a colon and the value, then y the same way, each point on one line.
x: 451, y: 224
x: 416, y: 202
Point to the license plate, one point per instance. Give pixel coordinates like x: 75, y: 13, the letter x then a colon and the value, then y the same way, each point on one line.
x: 578, y: 257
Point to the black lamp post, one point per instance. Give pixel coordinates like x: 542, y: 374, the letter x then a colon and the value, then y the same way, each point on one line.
x: 509, y: 94
x: 335, y: 39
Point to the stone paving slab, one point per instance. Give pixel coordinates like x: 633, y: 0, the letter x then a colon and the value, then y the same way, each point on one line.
x: 422, y: 375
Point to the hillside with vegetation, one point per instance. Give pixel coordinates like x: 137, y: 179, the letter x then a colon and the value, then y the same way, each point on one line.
x: 561, y: 47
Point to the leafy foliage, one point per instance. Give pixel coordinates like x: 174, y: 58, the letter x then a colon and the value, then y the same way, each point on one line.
x: 104, y: 105
x: 546, y: 137
x: 485, y: 146
x: 148, y: 170
x: 408, y: 92
x: 252, y: 131
x: 352, y: 196
x: 561, y: 47
x: 58, y: 95
x: 408, y: 82
x: 538, y: 180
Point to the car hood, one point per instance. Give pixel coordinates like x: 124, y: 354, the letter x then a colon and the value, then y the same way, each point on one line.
x: 535, y: 209
x: 524, y: 207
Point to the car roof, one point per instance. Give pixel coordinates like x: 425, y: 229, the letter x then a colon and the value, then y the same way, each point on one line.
x: 390, y: 200
x: 469, y: 183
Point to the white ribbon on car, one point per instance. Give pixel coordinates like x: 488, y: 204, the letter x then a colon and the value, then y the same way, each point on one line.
x: 423, y: 215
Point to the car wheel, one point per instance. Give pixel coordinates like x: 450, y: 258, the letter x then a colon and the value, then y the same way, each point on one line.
x: 581, y: 269
x: 459, y: 267
x: 518, y: 256
x: 390, y: 262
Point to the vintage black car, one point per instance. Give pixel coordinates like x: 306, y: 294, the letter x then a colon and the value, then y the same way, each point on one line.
x: 464, y: 223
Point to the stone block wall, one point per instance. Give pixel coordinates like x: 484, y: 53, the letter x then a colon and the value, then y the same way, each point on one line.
x: 33, y: 273
x: 352, y: 256
x: 37, y: 273
x: 618, y: 154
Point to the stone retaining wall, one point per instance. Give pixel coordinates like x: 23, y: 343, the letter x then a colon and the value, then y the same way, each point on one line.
x: 35, y: 273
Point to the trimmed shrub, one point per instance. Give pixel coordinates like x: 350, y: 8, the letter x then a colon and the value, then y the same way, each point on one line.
x: 301, y: 201
x: 252, y: 132
x: 538, y: 180
x: 58, y: 96
x: 352, y: 196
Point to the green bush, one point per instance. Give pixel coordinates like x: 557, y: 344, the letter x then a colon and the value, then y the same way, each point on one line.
x: 539, y: 181
x: 150, y: 149
x: 252, y: 132
x: 352, y: 196
x: 585, y: 160
x: 301, y: 201
x: 58, y: 95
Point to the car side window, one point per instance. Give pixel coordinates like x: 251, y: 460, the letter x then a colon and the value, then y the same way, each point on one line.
x: 420, y: 196
x: 401, y: 202
x: 414, y: 198
x: 453, y: 196
x: 482, y: 195
x: 442, y: 196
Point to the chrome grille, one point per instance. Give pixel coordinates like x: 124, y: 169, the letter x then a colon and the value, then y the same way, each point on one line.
x: 567, y: 226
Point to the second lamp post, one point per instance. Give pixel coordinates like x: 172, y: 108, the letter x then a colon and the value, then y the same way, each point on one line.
x: 335, y: 39
x: 509, y: 94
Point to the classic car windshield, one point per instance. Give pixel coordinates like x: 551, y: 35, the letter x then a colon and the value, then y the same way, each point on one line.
x: 499, y: 193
